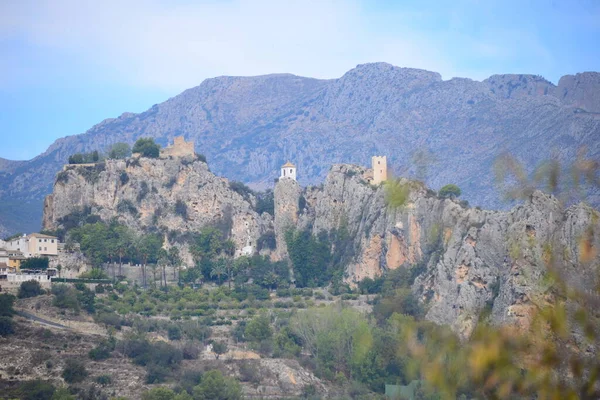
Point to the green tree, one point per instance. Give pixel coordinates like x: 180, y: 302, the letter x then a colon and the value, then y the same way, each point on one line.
x: 6, y: 326
x: 30, y: 288
x: 7, y: 302
x: 259, y: 328
x: 219, y: 268
x: 39, y: 263
x: 119, y: 151
x: 450, y: 191
x: 146, y: 147
x: 219, y: 348
x: 215, y: 386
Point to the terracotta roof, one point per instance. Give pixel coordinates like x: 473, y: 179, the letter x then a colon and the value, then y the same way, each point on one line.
x: 288, y: 164
x: 41, y: 235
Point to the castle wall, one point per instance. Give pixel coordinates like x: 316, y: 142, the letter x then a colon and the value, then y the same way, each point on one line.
x: 179, y: 148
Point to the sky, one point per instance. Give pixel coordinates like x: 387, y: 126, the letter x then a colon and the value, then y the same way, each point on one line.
x: 66, y: 65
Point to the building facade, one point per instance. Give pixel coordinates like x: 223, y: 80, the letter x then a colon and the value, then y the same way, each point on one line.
x: 34, y: 245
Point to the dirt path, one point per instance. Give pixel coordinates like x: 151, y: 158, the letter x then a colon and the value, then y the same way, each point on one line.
x: 42, y: 321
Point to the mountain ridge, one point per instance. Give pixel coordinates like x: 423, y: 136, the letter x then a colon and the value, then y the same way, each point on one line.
x: 248, y: 126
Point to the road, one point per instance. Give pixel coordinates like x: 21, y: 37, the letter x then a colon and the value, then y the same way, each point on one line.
x: 35, y: 318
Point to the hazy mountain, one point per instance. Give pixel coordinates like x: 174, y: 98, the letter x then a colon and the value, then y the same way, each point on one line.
x: 248, y: 126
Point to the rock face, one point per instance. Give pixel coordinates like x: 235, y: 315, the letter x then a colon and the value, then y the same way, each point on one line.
x: 467, y: 259
x: 248, y: 126
x: 174, y: 194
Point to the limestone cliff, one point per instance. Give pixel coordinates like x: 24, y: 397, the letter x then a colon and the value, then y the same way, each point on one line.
x: 172, y: 194
x: 468, y: 259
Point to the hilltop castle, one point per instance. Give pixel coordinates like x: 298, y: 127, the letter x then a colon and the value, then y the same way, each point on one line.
x: 179, y: 148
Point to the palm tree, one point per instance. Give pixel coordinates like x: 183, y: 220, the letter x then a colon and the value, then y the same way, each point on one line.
x: 220, y: 268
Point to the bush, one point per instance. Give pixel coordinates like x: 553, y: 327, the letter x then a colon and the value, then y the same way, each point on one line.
x: 74, y: 371
x: 124, y: 178
x: 450, y: 191
x: 30, y: 288
x: 6, y: 326
x: 103, y: 380
x: 65, y: 297
x: 146, y: 147
x: 241, y: 189
x: 215, y: 386
x: 266, y: 241
x: 102, y: 350
x: 174, y: 332
x: 190, y: 351
x: 181, y: 209
x: 265, y: 202
x: 36, y: 390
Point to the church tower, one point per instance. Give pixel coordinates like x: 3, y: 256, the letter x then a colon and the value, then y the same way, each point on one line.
x: 379, y: 165
x: 288, y: 170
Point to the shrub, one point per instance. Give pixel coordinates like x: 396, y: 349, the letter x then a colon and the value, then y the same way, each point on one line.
x: 266, y: 241
x: 124, y: 178
x: 30, y: 288
x: 174, y: 332
x: 449, y: 191
x: 265, y: 202
x: 126, y: 206
x: 215, y: 386
x: 241, y: 189
x: 74, y: 371
x: 181, y: 209
x: 36, y: 390
x: 103, y: 380
x: 190, y: 351
x: 6, y: 326
x: 102, y: 350
x: 65, y: 297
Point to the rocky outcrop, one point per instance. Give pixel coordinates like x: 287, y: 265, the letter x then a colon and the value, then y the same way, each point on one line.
x: 165, y: 195
x: 248, y: 126
x: 467, y: 259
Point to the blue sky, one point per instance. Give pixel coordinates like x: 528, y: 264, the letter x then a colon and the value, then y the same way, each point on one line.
x: 66, y: 65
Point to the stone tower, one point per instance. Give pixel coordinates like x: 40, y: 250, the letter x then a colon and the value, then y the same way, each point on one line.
x: 288, y: 170
x: 379, y: 165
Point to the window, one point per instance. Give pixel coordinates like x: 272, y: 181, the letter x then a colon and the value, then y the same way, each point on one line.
x: 52, y: 241
x: 45, y: 240
x: 45, y: 249
x: 40, y: 249
x: 378, y: 162
x: 284, y: 172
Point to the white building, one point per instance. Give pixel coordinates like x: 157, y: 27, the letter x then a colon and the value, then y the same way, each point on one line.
x: 34, y: 245
x: 288, y: 170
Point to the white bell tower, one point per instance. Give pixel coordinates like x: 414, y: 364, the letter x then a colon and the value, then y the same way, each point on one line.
x: 288, y: 170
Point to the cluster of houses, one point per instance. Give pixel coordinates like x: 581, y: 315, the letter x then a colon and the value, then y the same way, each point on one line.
x: 16, y: 250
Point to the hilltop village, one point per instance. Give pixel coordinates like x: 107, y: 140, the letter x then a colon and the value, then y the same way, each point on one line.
x: 149, y: 257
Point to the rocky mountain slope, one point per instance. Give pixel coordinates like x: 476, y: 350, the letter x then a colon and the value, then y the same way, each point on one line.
x: 465, y: 259
x: 248, y: 126
x: 172, y: 196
